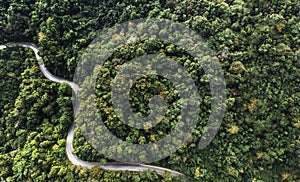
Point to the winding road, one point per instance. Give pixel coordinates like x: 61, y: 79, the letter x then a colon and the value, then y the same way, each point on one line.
x: 114, y: 166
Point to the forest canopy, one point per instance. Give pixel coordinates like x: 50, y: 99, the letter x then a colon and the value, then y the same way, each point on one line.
x: 259, y: 138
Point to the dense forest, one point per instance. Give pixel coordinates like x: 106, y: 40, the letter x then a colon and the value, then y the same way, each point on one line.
x: 259, y: 138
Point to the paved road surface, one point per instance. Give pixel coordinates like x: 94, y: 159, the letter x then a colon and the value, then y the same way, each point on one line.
x: 114, y: 166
